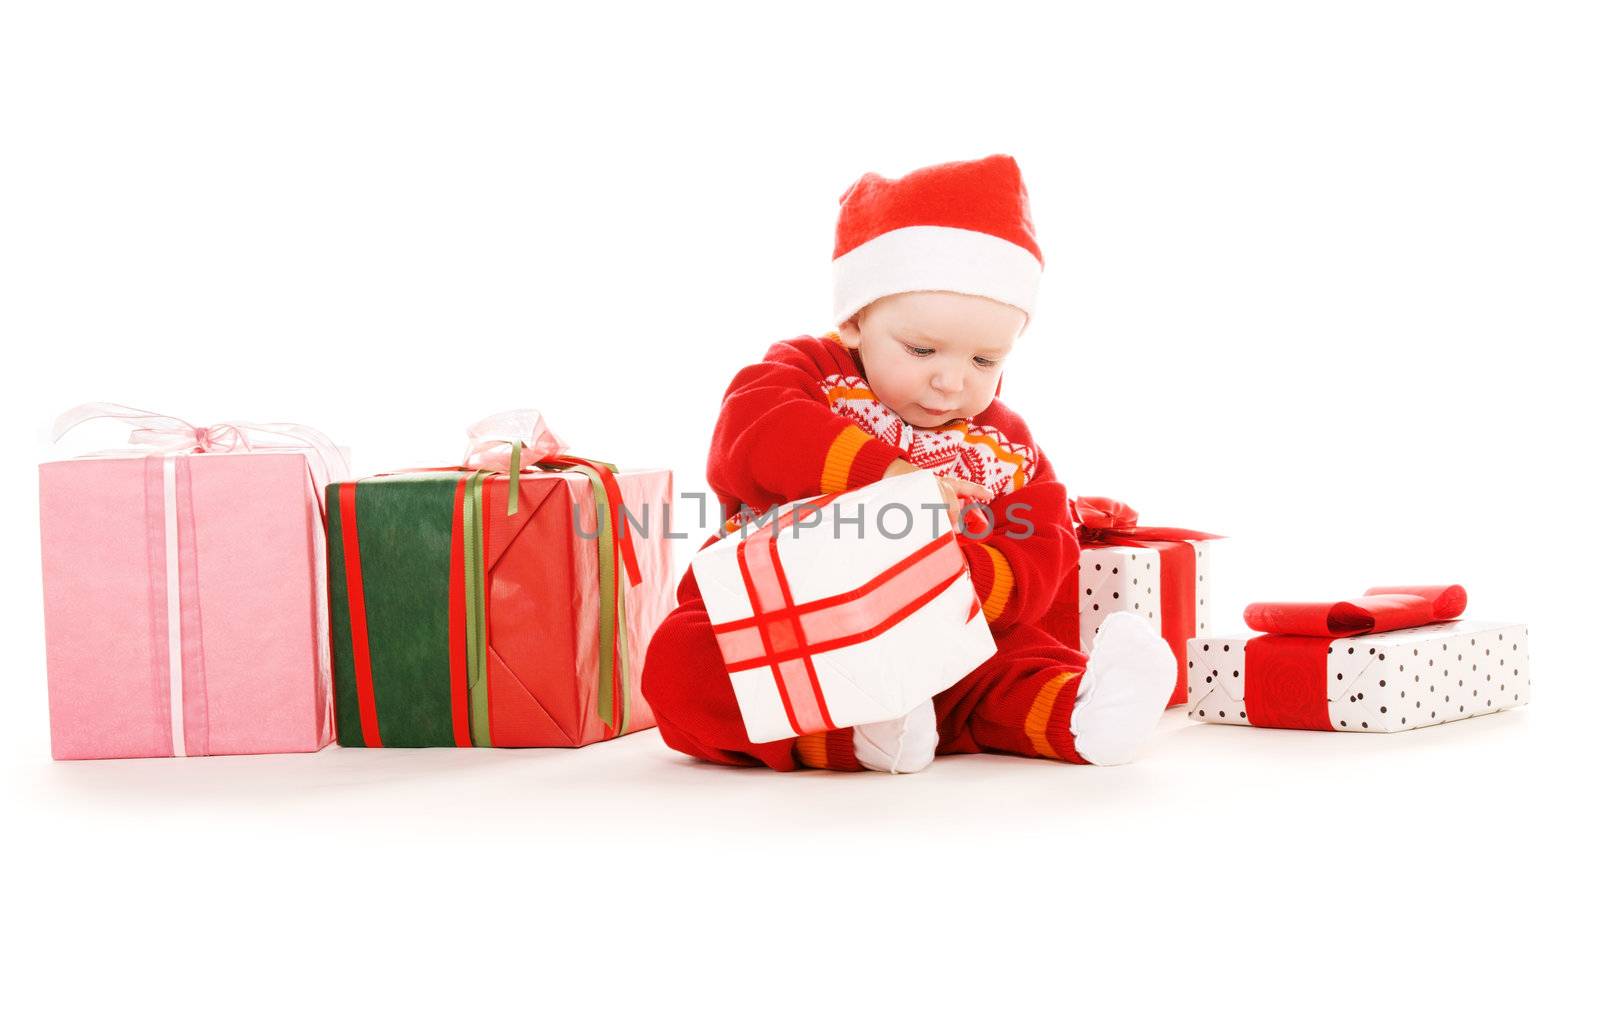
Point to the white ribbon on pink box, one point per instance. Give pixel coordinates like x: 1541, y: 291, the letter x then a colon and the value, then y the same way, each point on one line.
x: 104, y: 703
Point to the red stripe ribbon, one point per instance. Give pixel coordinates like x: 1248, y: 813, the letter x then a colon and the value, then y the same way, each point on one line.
x: 460, y: 709
x: 630, y: 559
x: 359, y: 648
x: 1286, y: 682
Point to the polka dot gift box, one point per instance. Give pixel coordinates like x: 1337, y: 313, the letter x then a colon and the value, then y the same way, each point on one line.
x: 1392, y: 660
x: 1160, y: 573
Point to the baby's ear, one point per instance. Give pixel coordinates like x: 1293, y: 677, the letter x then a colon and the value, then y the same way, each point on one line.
x: 850, y: 333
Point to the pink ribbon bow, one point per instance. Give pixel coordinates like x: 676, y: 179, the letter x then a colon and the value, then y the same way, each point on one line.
x: 157, y: 434
x: 516, y: 437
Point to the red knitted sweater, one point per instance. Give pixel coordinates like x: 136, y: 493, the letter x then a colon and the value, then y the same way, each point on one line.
x: 804, y: 422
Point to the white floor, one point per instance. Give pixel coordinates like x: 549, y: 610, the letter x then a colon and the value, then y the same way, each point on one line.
x: 1245, y: 873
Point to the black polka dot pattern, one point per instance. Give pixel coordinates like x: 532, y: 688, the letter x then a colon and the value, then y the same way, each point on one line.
x: 1114, y: 579
x: 1121, y: 578
x: 1367, y: 689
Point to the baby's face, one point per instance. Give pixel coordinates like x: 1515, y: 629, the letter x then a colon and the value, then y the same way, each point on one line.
x: 934, y: 356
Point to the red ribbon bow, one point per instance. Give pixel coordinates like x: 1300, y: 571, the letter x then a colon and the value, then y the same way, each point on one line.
x: 1380, y: 609
x: 1106, y: 521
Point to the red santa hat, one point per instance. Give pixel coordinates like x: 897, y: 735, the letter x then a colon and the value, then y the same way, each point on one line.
x: 963, y: 227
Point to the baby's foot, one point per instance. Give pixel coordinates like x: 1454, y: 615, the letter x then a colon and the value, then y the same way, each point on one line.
x: 1123, y: 692
x: 901, y: 746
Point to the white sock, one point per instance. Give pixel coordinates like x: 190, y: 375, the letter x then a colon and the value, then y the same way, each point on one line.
x: 1124, y: 691
x: 901, y: 746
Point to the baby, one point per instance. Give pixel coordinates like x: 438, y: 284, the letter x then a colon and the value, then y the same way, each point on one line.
x: 935, y: 276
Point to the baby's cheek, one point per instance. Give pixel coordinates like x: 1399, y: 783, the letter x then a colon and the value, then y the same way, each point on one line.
x: 900, y: 401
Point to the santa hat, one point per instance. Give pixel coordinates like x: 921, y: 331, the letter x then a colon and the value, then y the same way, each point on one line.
x: 963, y: 227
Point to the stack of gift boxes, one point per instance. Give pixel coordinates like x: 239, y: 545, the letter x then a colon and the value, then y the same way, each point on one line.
x: 230, y: 590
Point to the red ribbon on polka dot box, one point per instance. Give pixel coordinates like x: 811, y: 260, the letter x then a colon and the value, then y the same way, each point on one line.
x: 1389, y: 661
x: 844, y: 609
x: 1159, y: 573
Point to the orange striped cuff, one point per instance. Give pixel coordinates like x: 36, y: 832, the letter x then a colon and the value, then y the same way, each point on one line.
x: 834, y: 751
x: 1048, y: 726
x: 1001, y: 583
x: 841, y: 454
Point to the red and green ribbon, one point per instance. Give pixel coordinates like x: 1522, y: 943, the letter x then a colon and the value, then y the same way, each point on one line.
x: 477, y: 605
x: 465, y: 612
x: 612, y: 542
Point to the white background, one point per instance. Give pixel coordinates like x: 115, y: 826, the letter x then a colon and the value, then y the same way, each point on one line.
x: 1321, y: 277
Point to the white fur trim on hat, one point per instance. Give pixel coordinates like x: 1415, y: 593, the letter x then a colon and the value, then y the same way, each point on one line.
x: 934, y: 258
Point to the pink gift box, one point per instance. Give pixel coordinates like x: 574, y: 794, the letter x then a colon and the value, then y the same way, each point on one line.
x: 185, y: 605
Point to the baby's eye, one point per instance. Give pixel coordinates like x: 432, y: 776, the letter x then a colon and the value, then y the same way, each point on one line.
x: 919, y: 352
x: 985, y: 363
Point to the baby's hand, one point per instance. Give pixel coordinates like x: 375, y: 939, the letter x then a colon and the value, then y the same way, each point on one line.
x: 957, y: 492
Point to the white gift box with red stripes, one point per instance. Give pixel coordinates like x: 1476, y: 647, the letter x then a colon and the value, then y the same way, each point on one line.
x: 843, y: 609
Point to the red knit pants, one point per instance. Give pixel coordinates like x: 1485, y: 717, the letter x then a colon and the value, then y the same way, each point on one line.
x: 1020, y: 700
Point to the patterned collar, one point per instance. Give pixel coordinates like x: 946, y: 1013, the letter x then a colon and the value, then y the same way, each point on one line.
x: 961, y: 448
